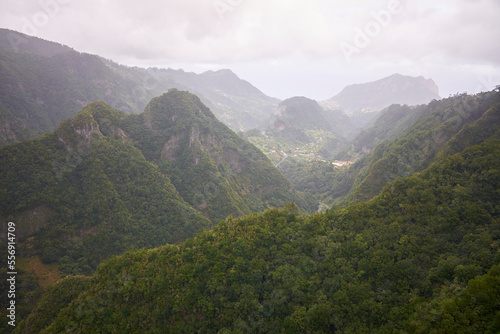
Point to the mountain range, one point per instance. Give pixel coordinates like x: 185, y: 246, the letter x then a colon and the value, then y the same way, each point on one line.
x: 138, y: 208
x: 420, y: 257
x: 380, y: 94
x: 44, y: 83
x: 106, y: 181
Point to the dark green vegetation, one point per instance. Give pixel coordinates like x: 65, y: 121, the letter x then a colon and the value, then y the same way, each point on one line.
x: 301, y: 129
x: 319, y: 178
x: 414, y: 248
x: 85, y: 194
x: 423, y: 255
x: 105, y: 181
x: 44, y: 83
x: 214, y: 170
x: 418, y: 144
x: 402, y: 140
x: 56, y: 297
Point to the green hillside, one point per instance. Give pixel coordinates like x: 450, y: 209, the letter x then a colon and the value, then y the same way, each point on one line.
x: 105, y: 181
x: 214, y: 170
x: 137, y: 209
x: 422, y: 255
x: 83, y: 193
x: 419, y: 144
x: 301, y: 130
x: 402, y: 140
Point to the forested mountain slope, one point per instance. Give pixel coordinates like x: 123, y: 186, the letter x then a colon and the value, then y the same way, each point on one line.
x: 44, y: 83
x: 422, y: 255
x: 388, y: 124
x: 83, y: 193
x: 401, y: 141
x: 214, y: 170
x: 417, y: 146
x: 106, y: 181
x: 102, y: 182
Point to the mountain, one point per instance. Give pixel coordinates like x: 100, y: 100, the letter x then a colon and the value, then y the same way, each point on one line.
x: 105, y: 181
x: 420, y: 257
x: 377, y: 95
x: 300, y: 128
x: 402, y: 140
x: 84, y: 192
x: 421, y: 143
x: 234, y: 101
x: 301, y: 113
x: 386, y: 125
x: 44, y: 83
x: 213, y: 168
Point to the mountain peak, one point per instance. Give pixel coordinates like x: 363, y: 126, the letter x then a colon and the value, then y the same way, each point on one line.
x: 95, y: 121
x: 377, y: 95
x: 176, y: 108
x: 222, y: 72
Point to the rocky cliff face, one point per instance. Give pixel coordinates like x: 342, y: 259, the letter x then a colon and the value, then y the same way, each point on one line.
x: 214, y: 170
x: 377, y: 95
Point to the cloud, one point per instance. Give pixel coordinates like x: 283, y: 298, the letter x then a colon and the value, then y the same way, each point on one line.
x: 200, y: 31
x: 304, y: 36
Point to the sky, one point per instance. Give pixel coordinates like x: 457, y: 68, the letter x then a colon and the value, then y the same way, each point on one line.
x: 283, y: 47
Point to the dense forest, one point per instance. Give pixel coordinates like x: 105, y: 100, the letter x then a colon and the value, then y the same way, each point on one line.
x: 138, y: 210
x: 400, y: 141
x: 105, y: 181
x: 421, y: 257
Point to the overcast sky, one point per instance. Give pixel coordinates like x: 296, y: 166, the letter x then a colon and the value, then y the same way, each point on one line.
x: 284, y: 47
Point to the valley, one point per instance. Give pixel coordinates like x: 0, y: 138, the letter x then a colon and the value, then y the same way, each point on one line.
x: 162, y: 201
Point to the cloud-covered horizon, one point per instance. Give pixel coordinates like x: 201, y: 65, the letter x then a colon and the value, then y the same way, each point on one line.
x: 284, y: 47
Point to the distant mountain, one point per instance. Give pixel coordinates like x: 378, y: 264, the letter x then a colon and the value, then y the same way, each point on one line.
x: 44, y: 83
x: 377, y: 95
x: 441, y: 128
x: 301, y: 113
x: 386, y: 124
x: 234, y: 101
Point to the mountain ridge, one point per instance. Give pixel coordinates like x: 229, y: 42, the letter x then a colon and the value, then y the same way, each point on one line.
x: 45, y: 83
x: 109, y: 173
x: 379, y: 94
